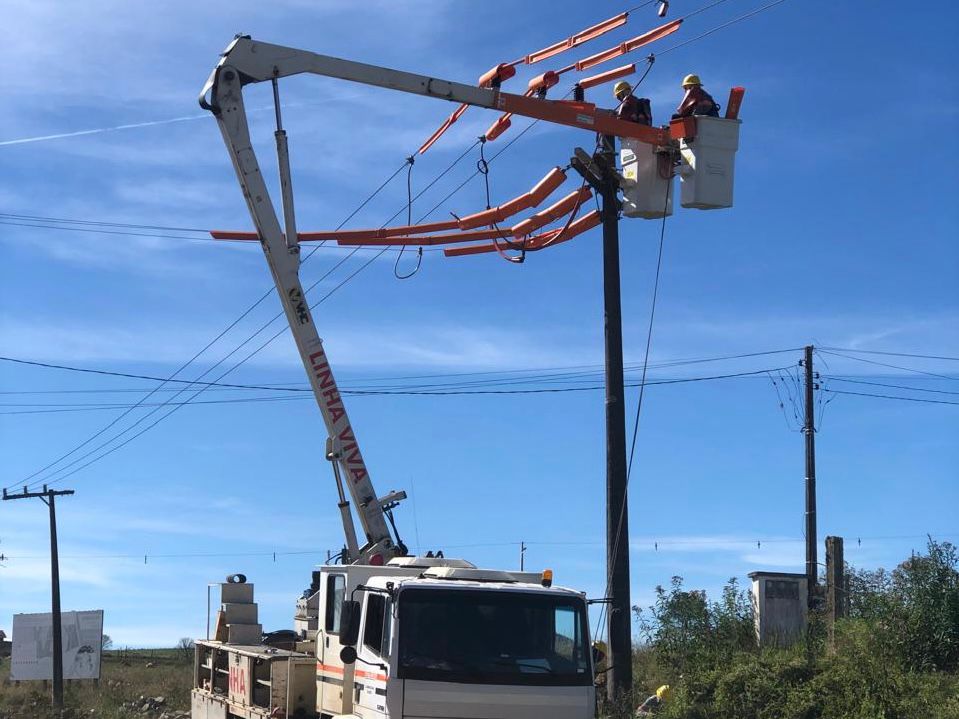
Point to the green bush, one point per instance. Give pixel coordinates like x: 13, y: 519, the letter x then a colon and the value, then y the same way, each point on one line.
x: 895, y: 657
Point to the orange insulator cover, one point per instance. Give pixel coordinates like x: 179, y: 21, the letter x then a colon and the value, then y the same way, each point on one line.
x: 537, y: 242
x: 551, y: 213
x: 499, y: 127
x: 517, y: 204
x: 628, y: 46
x: 735, y: 102
x: 547, y: 186
x: 653, y: 35
x: 578, y: 227
x: 607, y: 76
x: 579, y: 38
x: 479, y: 219
x: 503, y: 71
x: 543, y: 82
x: 442, y: 128
x: 591, y: 33
x: 343, y: 235
x: 424, y: 240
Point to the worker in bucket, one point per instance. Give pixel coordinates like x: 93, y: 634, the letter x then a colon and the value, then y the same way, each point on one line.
x: 655, y: 702
x: 632, y: 108
x: 696, y: 101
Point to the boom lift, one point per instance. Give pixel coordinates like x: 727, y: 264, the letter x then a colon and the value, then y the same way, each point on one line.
x: 436, y: 637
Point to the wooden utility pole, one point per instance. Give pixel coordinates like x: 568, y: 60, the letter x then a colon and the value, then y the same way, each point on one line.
x: 600, y: 172
x: 522, y: 556
x: 809, y: 430
x: 835, y: 584
x: 47, y: 496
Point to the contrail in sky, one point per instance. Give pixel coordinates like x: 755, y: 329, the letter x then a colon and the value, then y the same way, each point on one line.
x: 153, y: 123
x: 78, y: 133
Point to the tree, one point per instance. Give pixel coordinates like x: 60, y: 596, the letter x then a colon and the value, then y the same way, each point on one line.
x: 185, y: 646
x: 106, y: 642
x: 687, y: 630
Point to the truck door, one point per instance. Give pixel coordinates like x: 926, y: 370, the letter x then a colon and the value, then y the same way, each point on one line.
x: 371, y: 674
x: 329, y: 670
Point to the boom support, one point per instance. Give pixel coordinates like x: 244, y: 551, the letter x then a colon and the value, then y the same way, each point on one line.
x: 284, y: 261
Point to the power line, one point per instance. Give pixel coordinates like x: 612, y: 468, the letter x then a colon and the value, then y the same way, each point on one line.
x: 244, y: 314
x: 645, y: 544
x: 249, y: 356
x: 305, y: 388
x: 378, y: 392
x: 891, y: 366
x: 889, y: 396
x: 890, y: 386
x: 891, y: 354
x: 722, y: 26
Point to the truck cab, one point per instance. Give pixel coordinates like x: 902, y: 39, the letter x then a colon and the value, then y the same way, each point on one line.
x: 435, y: 638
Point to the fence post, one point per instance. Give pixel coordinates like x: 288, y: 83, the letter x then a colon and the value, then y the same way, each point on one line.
x: 835, y: 585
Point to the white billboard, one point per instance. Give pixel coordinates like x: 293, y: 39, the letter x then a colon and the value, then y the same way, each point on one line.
x: 33, y: 645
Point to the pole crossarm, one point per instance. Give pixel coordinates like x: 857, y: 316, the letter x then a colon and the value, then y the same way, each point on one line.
x: 44, y: 495
x: 48, y: 497
x: 252, y: 61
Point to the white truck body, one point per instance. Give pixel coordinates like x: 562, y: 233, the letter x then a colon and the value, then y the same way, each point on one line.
x: 439, y: 643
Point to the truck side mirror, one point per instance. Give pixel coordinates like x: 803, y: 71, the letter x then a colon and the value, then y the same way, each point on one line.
x: 349, y: 622
x: 348, y: 655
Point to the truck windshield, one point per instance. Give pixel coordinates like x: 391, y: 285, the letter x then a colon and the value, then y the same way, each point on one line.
x: 492, y: 637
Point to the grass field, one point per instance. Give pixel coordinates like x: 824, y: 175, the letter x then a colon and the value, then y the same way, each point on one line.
x: 125, y: 677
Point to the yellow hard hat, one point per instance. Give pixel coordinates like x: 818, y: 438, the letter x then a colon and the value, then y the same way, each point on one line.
x: 663, y: 693
x: 691, y: 80
x: 621, y: 86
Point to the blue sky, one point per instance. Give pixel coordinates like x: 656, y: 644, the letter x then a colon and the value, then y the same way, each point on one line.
x: 843, y: 235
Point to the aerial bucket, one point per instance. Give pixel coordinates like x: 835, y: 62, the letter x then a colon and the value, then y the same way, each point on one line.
x: 647, y: 180
x: 708, y: 164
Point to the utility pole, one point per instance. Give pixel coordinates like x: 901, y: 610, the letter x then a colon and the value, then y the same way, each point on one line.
x: 809, y: 430
x: 522, y: 556
x: 47, y: 496
x: 835, y: 585
x: 600, y: 172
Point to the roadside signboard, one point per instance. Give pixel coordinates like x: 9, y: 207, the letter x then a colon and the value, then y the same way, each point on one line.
x: 33, y: 645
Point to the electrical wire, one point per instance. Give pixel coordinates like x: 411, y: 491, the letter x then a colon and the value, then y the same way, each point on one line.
x: 206, y: 347
x: 891, y: 354
x: 891, y: 366
x: 720, y: 27
x: 50, y: 480
x: 889, y: 396
x: 889, y: 386
x: 679, y: 362
x: 375, y: 392
x: 409, y: 221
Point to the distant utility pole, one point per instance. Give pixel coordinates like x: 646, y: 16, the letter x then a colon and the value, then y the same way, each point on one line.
x: 522, y: 556
x: 809, y: 430
x: 47, y: 496
x: 600, y: 172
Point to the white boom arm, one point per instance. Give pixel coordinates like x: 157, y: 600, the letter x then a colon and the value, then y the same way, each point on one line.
x: 284, y: 262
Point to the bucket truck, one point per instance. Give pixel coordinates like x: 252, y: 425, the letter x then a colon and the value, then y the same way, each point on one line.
x: 381, y: 635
